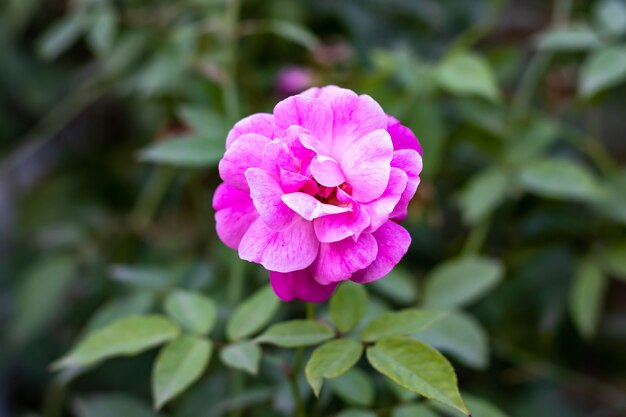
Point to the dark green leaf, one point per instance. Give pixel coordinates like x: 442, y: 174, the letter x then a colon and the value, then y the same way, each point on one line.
x: 124, y: 337
x: 244, y: 356
x: 331, y: 360
x: 58, y: 38
x: 614, y: 260
x: 192, y: 311
x: 414, y: 410
x: 603, y: 69
x: 348, y: 306
x: 586, y: 297
x: 140, y: 277
x: 353, y: 412
x: 419, y: 368
x: 295, y: 333
x: 354, y: 387
x: 477, y: 406
x: 179, y: 364
x: 461, y: 281
x: 294, y: 32
x: 185, y: 152
x: 400, y: 323
x: 252, y: 314
x: 102, y: 31
x: 483, y: 194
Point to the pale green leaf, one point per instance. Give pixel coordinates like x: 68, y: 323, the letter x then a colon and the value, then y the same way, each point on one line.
x: 531, y: 142
x: 400, y: 323
x: 206, y: 122
x: 460, y: 336
x: 610, y: 16
x: 294, y: 32
x: 140, y: 276
x: 252, y: 314
x: 125, y: 337
x: 39, y: 295
x: 586, y: 297
x: 331, y: 360
x: 482, y: 194
x: 244, y: 356
x: 398, y: 285
x: 603, y: 69
x: 134, y: 305
x: 179, y: 364
x: 348, y: 306
x: 569, y: 38
x: 102, y: 32
x: 59, y: 37
x: 111, y: 405
x: 560, y: 179
x: 354, y: 387
x: 461, y: 281
x: 295, y: 333
x: 467, y: 74
x: 193, y: 311
x: 419, y: 368
x: 185, y: 152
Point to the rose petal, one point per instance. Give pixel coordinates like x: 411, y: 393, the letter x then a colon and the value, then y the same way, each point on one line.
x: 260, y: 123
x: 411, y: 163
x: 300, y: 285
x: 380, y: 209
x: 401, y: 136
x: 312, y: 114
x: 339, y: 260
x: 290, y: 250
x: 393, y: 242
x: 309, y: 207
x: 367, y: 164
x: 266, y: 192
x: 326, y: 171
x: 234, y: 213
x: 244, y: 153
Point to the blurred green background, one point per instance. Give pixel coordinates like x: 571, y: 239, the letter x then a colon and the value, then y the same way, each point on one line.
x: 113, y: 115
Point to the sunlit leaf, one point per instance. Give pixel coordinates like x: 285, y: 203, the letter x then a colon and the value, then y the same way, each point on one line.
x: 348, y: 306
x: 295, y: 333
x: 244, y: 356
x: 331, y: 360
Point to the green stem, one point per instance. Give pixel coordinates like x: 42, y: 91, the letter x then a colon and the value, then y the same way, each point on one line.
x: 310, y: 311
x: 476, y: 237
x: 152, y: 194
x: 231, y: 101
x: 300, y: 411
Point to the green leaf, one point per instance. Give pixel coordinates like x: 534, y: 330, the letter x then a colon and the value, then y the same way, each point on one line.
x: 560, y: 179
x: 353, y: 412
x: 460, y: 336
x: 415, y: 410
x: 477, y: 406
x: 102, y: 32
x: 398, y: 285
x: 419, y: 368
x: 133, y: 305
x: 331, y: 360
x: 531, y: 142
x: 610, y: 16
x: 244, y: 356
x: 124, y: 337
x: 586, y: 297
x: 400, y: 323
x: 295, y: 33
x: 354, y: 387
x: 251, y: 315
x: 467, y: 74
x: 185, y: 152
x: 140, y: 276
x: 296, y: 333
x: 192, y: 311
x: 179, y: 364
x: 348, y: 306
x: 111, y: 405
x: 39, y: 295
x: 569, y: 38
x: 461, y: 281
x: 59, y: 37
x: 207, y: 123
x: 613, y: 260
x: 483, y: 194
x: 603, y: 69
x: 612, y: 204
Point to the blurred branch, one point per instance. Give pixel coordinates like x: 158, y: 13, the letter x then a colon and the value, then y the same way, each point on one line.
x: 231, y: 101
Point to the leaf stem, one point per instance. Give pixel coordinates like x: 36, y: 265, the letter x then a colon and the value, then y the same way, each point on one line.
x: 300, y: 411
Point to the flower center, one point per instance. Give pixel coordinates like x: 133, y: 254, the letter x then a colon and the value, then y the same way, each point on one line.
x: 328, y: 195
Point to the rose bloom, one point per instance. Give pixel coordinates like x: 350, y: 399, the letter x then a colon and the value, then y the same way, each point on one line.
x: 314, y: 192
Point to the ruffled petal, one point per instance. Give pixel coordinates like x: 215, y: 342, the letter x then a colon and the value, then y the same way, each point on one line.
x: 234, y: 213
x: 312, y: 114
x: 367, y: 164
x: 380, y: 209
x: 309, y: 207
x: 260, y: 123
x: 290, y: 250
x: 411, y: 163
x: 401, y: 136
x: 266, y: 194
x: 326, y: 171
x: 339, y: 260
x: 300, y: 285
x: 243, y: 154
x: 393, y: 243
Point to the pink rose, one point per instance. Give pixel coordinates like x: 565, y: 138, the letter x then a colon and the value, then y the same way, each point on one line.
x: 314, y: 192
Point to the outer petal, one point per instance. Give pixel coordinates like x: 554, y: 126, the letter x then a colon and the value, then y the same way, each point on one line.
x: 380, y: 209
x: 234, y: 213
x: 367, y: 164
x: 309, y: 113
x: 244, y: 153
x: 326, y: 171
x: 393, y: 242
x: 401, y: 136
x: 261, y: 123
x: 411, y: 163
x: 266, y: 193
x: 338, y: 261
x: 290, y: 250
x: 309, y: 207
x: 300, y: 285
